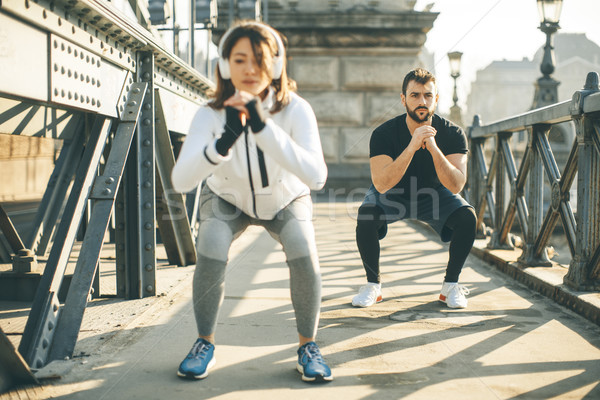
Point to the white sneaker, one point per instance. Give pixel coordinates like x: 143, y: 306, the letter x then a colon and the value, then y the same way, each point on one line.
x: 454, y: 294
x: 368, y: 295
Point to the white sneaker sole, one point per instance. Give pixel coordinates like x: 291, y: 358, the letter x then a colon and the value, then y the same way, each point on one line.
x: 211, y: 364
x: 319, y: 378
x: 442, y: 299
x: 378, y: 300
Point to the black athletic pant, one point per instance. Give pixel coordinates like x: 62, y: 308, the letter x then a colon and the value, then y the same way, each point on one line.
x: 370, y: 219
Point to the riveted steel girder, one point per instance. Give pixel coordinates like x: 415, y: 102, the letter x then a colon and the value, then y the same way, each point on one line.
x: 80, y: 72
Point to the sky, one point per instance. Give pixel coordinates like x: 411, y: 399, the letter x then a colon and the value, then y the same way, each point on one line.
x: 489, y: 30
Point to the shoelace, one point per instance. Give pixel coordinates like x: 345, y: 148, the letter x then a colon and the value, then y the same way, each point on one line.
x: 313, y: 353
x: 462, y: 289
x: 199, y: 350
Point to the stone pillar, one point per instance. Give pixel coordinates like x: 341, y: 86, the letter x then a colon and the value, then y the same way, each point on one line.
x: 349, y: 59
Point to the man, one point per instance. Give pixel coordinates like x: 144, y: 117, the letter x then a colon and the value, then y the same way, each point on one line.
x: 418, y: 166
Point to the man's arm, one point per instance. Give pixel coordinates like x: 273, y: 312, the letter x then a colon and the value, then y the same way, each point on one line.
x: 386, y: 172
x: 451, y: 169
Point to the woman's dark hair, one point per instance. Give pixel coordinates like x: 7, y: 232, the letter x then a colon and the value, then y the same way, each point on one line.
x: 258, y: 35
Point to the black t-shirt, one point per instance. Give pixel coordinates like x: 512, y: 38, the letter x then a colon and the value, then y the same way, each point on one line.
x: 393, y: 136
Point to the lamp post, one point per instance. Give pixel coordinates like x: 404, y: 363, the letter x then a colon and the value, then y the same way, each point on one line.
x: 546, y: 87
x: 455, y: 111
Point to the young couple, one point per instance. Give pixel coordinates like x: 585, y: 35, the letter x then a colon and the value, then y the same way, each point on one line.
x: 257, y: 146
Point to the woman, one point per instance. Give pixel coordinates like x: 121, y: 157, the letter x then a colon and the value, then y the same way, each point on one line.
x: 257, y: 145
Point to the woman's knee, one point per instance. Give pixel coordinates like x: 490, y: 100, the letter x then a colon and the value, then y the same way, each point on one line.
x: 214, y: 239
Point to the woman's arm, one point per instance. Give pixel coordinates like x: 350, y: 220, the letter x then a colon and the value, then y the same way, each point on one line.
x: 300, y: 150
x: 198, y: 157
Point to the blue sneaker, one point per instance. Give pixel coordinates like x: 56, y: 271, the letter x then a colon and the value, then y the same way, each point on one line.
x: 199, y: 360
x: 312, y: 365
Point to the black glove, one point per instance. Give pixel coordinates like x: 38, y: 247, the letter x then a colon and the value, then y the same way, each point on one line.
x: 257, y: 115
x: 233, y: 130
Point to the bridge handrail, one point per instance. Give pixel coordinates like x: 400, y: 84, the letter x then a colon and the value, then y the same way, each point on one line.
x: 591, y: 103
x: 501, y: 190
x: 552, y: 114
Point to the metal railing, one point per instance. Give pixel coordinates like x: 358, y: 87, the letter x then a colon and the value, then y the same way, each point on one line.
x: 115, y: 98
x: 501, y: 190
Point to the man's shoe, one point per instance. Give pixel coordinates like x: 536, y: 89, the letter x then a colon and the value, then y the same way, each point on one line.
x: 454, y: 294
x: 312, y: 365
x: 368, y: 295
x: 199, y: 360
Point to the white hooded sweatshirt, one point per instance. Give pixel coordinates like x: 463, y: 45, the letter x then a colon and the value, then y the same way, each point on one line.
x: 263, y: 172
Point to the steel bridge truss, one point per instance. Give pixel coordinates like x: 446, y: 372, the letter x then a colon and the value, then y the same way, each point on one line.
x: 504, y: 191
x: 108, y: 89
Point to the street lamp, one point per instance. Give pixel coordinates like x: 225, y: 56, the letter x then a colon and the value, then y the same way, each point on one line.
x: 546, y: 88
x: 455, y: 111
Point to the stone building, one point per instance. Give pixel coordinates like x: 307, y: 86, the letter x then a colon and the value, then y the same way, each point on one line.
x: 349, y: 58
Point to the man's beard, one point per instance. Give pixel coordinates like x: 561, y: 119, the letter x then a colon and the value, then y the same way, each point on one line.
x: 413, y: 114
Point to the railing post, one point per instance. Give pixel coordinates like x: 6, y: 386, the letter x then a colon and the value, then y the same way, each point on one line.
x: 496, y: 242
x: 588, y: 193
x: 535, y: 201
x: 470, y: 189
x: 473, y: 186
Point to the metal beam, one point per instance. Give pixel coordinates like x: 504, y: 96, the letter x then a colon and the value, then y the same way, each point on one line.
x: 44, y: 310
x: 107, y: 41
x: 13, y: 369
x: 10, y: 232
x: 55, y: 193
x: 80, y: 57
x: 171, y: 212
x: 103, y: 197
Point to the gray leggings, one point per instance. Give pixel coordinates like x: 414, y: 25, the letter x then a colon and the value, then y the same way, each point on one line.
x: 221, y: 223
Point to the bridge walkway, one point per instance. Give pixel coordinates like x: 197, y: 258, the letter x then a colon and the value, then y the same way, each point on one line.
x: 511, y: 342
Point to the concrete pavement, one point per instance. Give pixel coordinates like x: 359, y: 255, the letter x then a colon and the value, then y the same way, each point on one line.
x: 509, y: 343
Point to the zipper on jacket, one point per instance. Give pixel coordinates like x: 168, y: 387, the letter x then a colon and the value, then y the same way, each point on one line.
x: 250, y: 174
x: 263, y: 168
